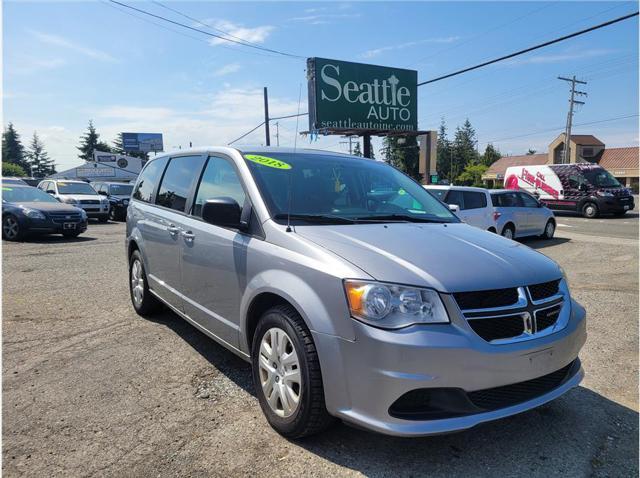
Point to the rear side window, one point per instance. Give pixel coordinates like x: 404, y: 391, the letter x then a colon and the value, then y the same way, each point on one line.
x: 149, y: 179
x: 528, y: 201
x: 508, y: 200
x: 177, y: 181
x: 474, y: 200
x: 219, y: 179
x: 455, y: 197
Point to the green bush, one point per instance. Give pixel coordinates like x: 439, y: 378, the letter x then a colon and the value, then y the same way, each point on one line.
x: 10, y: 169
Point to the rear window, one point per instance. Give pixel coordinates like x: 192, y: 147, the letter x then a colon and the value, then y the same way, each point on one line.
x: 177, y: 180
x: 474, y: 200
x: 148, y: 180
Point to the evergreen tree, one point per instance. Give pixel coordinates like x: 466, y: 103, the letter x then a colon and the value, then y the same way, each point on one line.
x: 490, y: 156
x: 464, y: 149
x: 531, y: 151
x: 12, y: 148
x: 40, y: 163
x: 89, y: 142
x: 404, y: 155
x: 443, y: 164
x: 357, y: 151
x: 118, y: 147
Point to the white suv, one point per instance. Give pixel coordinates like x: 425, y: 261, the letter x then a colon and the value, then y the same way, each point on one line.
x: 472, y: 205
x: 80, y: 194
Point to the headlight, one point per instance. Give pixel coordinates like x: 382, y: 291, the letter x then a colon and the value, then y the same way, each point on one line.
x: 564, y: 276
x: 604, y: 194
x: 33, y: 213
x: 391, y: 306
x: 69, y: 200
x: 83, y: 214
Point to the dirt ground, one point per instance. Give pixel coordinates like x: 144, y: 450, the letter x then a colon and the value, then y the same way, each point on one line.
x: 89, y: 388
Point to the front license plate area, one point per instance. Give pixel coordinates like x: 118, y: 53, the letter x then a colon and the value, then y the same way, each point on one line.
x: 69, y: 225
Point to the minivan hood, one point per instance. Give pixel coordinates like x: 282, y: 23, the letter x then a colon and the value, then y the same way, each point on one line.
x: 448, y: 257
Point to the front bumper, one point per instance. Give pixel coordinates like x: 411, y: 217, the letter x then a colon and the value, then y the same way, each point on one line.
x: 48, y: 226
x: 364, y: 377
x: 616, y: 204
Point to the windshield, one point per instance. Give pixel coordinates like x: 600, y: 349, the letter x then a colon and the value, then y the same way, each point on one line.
x: 121, y: 189
x: 334, y: 187
x: 25, y: 194
x: 601, y: 178
x: 75, y: 188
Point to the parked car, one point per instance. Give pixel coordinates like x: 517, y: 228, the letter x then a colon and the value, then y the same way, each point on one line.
x: 473, y: 204
x: 14, y: 180
x: 352, y: 291
x: 27, y: 210
x: 80, y: 194
x: 118, y: 195
x: 585, y: 188
x: 519, y: 214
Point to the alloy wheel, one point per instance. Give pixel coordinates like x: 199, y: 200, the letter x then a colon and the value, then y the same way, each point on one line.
x: 508, y: 233
x: 10, y: 227
x: 137, y: 283
x: 279, y: 369
x: 549, y: 230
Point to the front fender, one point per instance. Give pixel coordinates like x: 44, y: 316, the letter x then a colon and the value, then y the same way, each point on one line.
x: 323, y: 305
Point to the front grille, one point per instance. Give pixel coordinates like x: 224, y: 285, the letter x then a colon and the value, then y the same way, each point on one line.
x: 60, y: 217
x: 89, y: 201
x: 505, y: 396
x: 544, y: 290
x: 486, y: 299
x: 546, y: 318
x: 496, y: 328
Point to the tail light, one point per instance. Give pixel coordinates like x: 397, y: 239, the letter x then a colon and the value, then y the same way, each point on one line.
x: 496, y: 215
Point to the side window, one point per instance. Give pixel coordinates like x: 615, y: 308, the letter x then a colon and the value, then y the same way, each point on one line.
x: 219, y: 179
x: 148, y: 179
x: 51, y: 187
x: 528, y: 201
x: 455, y: 197
x: 509, y: 200
x: 104, y: 188
x: 177, y: 180
x: 575, y: 181
x: 43, y: 185
x: 474, y: 200
x: 495, y: 200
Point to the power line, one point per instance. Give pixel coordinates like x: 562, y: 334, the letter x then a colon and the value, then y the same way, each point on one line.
x: 527, y: 50
x: 246, y: 134
x: 231, y: 40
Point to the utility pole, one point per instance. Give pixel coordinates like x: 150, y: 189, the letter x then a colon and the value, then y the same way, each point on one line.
x: 350, y: 143
x: 266, y: 117
x: 277, y: 133
x: 572, y: 101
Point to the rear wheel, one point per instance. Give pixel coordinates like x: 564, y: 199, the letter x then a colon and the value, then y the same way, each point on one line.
x: 11, y: 229
x: 509, y: 231
x: 287, y: 376
x: 143, y: 301
x: 549, y: 230
x: 590, y: 210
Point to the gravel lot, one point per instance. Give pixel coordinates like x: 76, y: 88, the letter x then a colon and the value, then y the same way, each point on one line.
x: 89, y: 388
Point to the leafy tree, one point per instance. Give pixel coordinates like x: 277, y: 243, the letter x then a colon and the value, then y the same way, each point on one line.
x: 40, y: 163
x: 472, y: 174
x: 490, y: 156
x: 443, y: 164
x: 89, y: 142
x: 12, y: 169
x: 464, y: 149
x: 531, y: 151
x: 118, y: 147
x: 404, y: 155
x: 357, y: 151
x: 12, y: 148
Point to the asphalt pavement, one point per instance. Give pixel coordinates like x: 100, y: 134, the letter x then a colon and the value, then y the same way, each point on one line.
x: 91, y: 389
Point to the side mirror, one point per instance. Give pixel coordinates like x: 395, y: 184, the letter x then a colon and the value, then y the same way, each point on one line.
x: 103, y: 193
x: 454, y: 208
x: 222, y: 211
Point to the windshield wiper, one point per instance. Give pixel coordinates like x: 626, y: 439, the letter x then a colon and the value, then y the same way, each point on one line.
x: 318, y: 218
x: 399, y: 218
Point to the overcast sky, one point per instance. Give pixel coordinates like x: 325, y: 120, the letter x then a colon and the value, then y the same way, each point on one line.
x: 68, y: 62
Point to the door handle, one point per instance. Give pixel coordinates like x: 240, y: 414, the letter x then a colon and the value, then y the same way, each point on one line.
x: 172, y: 229
x: 188, y: 235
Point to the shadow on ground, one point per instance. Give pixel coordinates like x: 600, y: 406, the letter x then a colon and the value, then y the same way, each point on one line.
x: 580, y: 434
x: 536, y: 243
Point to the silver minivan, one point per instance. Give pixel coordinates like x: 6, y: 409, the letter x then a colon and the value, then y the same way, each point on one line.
x: 354, y: 293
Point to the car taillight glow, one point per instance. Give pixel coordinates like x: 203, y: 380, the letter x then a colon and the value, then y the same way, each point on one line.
x: 496, y: 215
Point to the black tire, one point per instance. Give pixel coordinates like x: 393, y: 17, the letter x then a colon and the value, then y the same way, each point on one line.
x: 103, y: 219
x: 149, y: 303
x: 11, y: 229
x: 509, y: 231
x: 590, y: 210
x: 310, y: 416
x: 71, y: 235
x: 549, y: 229
x: 112, y: 214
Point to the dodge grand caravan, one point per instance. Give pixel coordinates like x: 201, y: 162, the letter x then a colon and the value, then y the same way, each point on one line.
x: 354, y: 293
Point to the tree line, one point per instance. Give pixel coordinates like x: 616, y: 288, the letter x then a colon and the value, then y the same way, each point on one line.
x: 459, y: 160
x: 33, y: 160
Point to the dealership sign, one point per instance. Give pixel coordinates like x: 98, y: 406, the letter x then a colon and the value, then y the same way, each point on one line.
x: 345, y: 96
x: 143, y: 142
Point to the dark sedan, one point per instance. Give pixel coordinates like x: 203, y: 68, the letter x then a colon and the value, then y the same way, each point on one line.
x: 118, y: 195
x: 28, y: 210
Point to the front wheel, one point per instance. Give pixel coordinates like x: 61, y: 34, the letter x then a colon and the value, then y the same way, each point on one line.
x: 287, y: 376
x: 590, y: 210
x: 11, y: 229
x: 549, y: 230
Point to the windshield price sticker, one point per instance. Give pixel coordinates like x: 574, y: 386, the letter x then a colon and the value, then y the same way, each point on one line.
x: 267, y: 161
